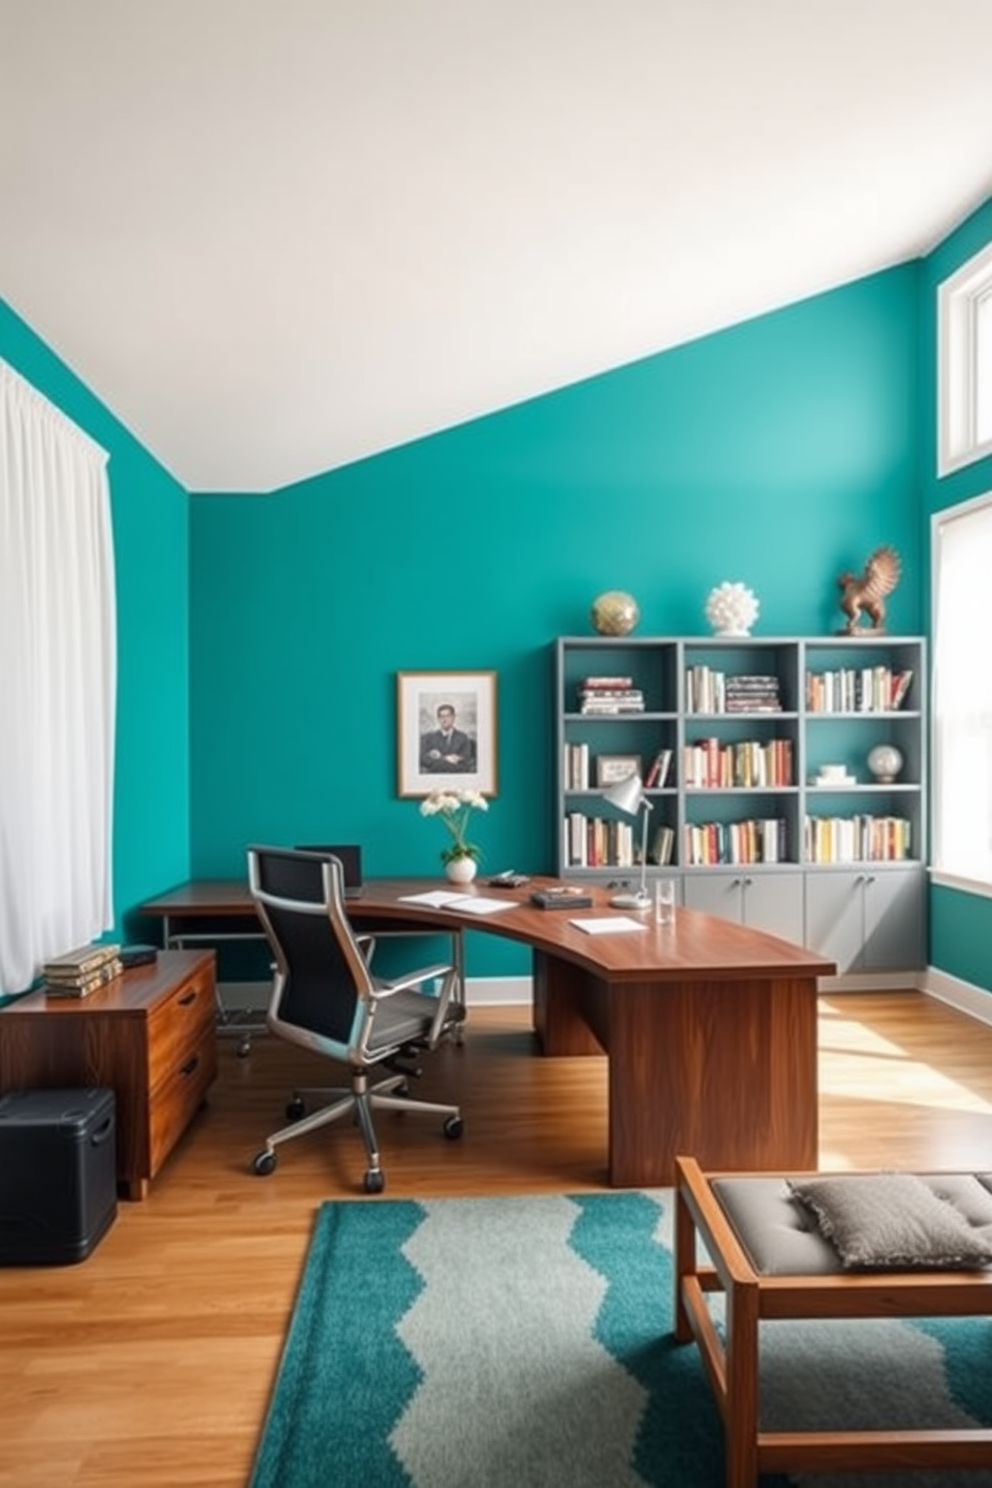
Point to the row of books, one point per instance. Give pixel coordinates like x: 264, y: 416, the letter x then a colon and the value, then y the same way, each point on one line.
x: 756, y: 840
x: 708, y: 690
x: 578, y: 763
x: 750, y: 763
x: 856, y: 839
x: 607, y: 696
x: 78, y: 973
x: 597, y: 842
x: 875, y: 689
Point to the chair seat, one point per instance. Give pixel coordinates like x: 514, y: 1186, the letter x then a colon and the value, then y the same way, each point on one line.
x: 403, y: 1018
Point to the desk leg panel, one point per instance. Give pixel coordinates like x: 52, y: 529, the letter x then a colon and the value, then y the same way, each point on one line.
x: 723, y: 1072
x: 571, y: 1007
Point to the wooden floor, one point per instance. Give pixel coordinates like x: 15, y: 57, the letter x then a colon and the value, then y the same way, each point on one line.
x: 149, y: 1365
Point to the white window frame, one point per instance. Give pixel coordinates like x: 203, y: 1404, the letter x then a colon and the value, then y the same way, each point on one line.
x: 961, y: 718
x: 961, y: 380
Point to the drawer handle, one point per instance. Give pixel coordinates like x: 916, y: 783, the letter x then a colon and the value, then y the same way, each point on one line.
x: 188, y: 1068
x: 188, y: 998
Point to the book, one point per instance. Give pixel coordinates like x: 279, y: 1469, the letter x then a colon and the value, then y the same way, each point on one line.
x: 658, y: 770
x: 900, y: 686
x: 565, y: 897
x: 83, y: 959
x: 83, y: 985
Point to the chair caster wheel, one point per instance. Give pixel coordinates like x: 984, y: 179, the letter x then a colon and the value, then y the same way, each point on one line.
x: 244, y: 1048
x: 454, y: 1127
x: 374, y: 1181
x: 265, y: 1163
x: 296, y: 1109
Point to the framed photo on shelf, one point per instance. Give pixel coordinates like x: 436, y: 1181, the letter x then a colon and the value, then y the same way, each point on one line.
x: 610, y: 768
x: 445, y: 732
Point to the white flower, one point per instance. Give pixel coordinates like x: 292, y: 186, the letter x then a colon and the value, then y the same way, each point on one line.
x: 455, y: 808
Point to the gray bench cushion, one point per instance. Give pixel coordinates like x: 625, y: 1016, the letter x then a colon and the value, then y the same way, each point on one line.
x: 782, y: 1236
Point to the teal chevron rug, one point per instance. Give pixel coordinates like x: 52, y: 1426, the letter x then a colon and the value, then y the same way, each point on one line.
x: 526, y: 1343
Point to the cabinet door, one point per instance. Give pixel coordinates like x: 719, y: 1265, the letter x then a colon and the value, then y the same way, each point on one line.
x: 774, y: 902
x: 894, y: 935
x: 714, y: 893
x: 766, y: 901
x: 835, y: 917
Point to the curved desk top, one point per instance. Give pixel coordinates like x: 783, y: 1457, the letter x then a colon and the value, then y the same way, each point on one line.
x: 698, y: 946
x: 709, y: 1027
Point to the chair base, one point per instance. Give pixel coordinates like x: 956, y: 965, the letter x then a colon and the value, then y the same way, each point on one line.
x: 360, y: 1100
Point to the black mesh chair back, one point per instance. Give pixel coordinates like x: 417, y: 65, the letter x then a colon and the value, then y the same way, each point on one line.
x: 326, y: 998
x: 321, y: 974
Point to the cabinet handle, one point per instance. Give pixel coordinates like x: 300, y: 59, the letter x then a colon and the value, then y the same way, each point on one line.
x: 188, y: 1068
x: 748, y: 882
x: 188, y: 998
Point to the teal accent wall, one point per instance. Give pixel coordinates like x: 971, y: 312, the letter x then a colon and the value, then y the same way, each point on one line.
x: 151, y: 545
x: 778, y: 452
x: 960, y: 922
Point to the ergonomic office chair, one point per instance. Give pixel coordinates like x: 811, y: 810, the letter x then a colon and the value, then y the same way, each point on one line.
x: 325, y: 998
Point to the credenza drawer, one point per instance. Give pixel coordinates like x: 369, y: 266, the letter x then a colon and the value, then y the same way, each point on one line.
x: 177, y: 1025
x: 174, y: 1103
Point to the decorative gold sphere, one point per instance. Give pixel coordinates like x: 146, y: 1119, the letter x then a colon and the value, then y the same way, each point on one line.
x: 615, y: 613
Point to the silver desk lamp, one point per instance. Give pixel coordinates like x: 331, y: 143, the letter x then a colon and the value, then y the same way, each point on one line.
x: 628, y: 796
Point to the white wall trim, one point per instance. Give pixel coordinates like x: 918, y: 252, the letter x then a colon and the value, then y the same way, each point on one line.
x: 965, y: 996
x: 517, y: 991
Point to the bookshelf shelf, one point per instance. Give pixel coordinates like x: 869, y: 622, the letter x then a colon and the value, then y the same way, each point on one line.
x: 754, y: 728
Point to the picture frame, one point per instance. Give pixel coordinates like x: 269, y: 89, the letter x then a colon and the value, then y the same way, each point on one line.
x: 425, y: 759
x: 612, y: 768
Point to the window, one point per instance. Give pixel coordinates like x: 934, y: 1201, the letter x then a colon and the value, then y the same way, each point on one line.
x: 964, y: 311
x: 962, y: 693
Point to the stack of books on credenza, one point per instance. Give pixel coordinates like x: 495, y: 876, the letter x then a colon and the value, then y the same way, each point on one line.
x: 80, y: 972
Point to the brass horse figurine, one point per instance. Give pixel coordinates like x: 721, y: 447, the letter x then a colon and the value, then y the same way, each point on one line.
x: 867, y: 592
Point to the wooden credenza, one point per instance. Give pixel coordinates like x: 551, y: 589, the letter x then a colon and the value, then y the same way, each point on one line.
x: 150, y: 1036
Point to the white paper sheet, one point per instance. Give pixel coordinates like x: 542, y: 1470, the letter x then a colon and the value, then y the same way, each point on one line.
x: 608, y: 925
x: 437, y: 898
x: 464, y: 903
x: 472, y: 904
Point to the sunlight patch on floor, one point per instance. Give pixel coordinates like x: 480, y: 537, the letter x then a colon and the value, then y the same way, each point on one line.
x: 886, y: 1073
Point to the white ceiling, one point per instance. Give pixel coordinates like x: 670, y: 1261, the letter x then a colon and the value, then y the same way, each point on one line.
x: 275, y: 236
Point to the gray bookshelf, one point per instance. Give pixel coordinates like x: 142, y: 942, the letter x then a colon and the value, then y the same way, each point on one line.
x: 771, y: 813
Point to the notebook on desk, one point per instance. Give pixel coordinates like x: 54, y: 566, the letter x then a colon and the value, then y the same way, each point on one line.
x: 349, y: 855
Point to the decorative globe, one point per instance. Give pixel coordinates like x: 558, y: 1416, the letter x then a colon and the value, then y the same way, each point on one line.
x: 732, y: 609
x: 885, y: 762
x: 615, y: 613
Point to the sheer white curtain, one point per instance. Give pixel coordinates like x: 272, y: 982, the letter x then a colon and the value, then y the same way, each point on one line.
x: 58, y: 666
x: 962, y: 691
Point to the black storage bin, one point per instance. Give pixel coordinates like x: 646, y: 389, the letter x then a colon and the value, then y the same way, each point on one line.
x: 58, y: 1174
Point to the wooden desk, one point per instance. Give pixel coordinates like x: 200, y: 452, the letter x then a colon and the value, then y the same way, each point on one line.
x: 149, y: 1036
x: 709, y: 1027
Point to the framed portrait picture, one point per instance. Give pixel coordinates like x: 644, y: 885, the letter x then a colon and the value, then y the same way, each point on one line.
x: 445, y: 732
x: 613, y: 767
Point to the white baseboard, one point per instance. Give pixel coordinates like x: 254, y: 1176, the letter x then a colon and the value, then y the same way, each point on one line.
x: 515, y: 991
x: 967, y: 998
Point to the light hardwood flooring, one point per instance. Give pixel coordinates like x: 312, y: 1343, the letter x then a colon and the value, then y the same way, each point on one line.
x: 149, y: 1365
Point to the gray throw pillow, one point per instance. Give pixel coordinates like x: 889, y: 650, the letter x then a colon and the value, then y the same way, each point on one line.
x: 892, y: 1221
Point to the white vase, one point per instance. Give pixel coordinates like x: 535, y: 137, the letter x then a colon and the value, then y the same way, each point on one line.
x: 461, y: 870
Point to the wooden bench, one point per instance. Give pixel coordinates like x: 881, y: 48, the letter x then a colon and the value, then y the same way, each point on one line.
x: 755, y: 1291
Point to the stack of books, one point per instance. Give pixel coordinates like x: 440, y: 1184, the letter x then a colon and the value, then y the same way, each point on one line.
x: 80, y: 972
x: 610, y: 695
x: 754, y: 692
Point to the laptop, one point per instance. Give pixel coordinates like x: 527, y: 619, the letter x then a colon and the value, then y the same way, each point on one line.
x: 350, y: 857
